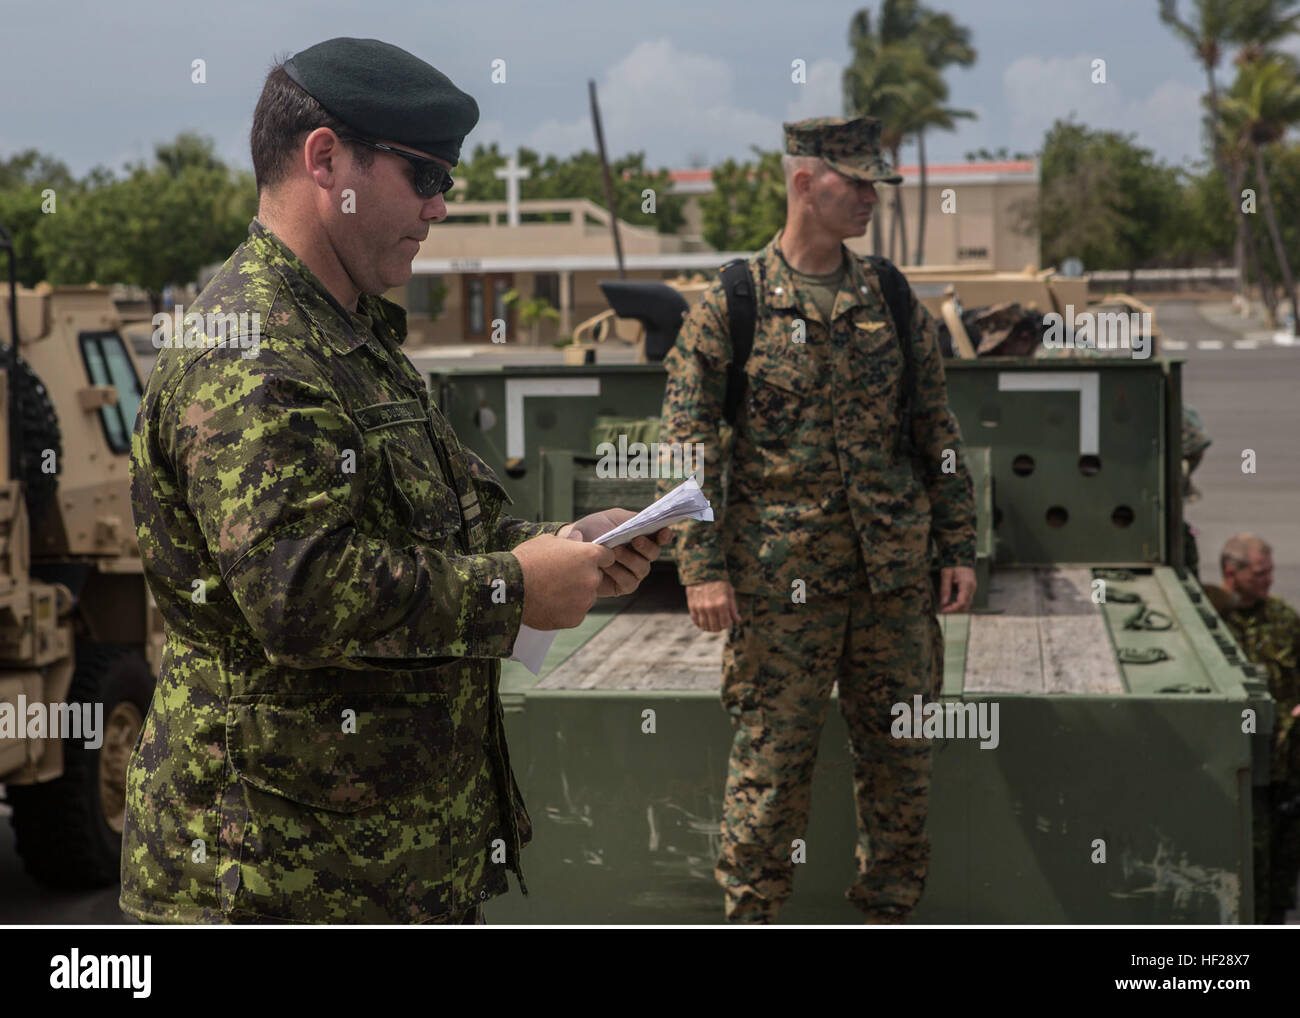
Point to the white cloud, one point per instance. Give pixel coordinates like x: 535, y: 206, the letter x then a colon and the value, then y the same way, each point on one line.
x: 661, y: 99
x: 1040, y: 91
x: 485, y: 133
x: 822, y: 95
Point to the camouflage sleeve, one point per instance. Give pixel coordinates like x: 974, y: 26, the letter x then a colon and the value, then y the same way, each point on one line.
x: 1283, y: 654
x: 258, y: 448
x: 505, y: 532
x: 1289, y: 655
x: 693, y: 397
x: 952, y: 494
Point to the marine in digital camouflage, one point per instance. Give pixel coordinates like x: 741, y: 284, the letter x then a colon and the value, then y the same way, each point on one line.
x: 817, y: 504
x: 815, y: 491
x: 1269, y: 634
x: 326, y: 741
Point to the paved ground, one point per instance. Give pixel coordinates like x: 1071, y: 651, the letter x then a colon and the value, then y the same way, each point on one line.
x: 1238, y: 376
x: 1247, y: 399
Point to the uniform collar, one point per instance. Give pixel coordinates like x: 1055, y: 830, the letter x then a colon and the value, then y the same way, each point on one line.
x: 335, y: 323
x: 778, y: 287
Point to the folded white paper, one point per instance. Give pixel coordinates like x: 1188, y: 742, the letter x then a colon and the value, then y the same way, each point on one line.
x: 684, y: 502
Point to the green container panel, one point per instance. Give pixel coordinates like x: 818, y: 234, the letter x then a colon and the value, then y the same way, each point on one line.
x: 626, y: 823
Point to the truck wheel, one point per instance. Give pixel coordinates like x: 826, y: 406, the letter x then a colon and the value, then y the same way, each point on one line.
x: 41, y: 432
x: 69, y: 831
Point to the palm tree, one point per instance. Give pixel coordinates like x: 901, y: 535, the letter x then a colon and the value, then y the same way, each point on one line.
x: 1235, y: 146
x: 944, y: 43
x: 895, y: 76
x: 532, y: 311
x: 1265, y: 101
x: 876, y: 84
x: 932, y: 114
x: 1255, y: 24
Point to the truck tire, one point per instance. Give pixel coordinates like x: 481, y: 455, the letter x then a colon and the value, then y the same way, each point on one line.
x: 69, y: 831
x: 40, y: 424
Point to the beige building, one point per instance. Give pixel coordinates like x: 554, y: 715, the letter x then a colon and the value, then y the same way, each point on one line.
x: 560, y: 250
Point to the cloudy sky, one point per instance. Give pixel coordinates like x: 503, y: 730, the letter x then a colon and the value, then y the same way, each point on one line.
x: 687, y: 81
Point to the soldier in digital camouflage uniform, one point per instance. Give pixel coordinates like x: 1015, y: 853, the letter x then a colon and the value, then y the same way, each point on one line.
x: 337, y: 573
x: 819, y: 565
x: 1268, y: 631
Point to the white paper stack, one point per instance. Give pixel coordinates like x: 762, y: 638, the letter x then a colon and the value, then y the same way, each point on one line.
x: 684, y: 502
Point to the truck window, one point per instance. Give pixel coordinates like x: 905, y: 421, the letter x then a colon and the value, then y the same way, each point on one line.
x: 107, y: 363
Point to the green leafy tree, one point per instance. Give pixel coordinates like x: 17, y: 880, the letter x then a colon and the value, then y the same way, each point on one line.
x: 25, y: 180
x: 575, y: 176
x: 1000, y: 155
x: 1104, y: 199
x: 1213, y: 27
x: 532, y: 312
x: 1282, y: 169
x: 155, y: 226
x: 747, y: 205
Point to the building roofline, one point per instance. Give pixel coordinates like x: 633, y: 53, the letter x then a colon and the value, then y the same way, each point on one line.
x: 700, y: 181
x: 575, y: 263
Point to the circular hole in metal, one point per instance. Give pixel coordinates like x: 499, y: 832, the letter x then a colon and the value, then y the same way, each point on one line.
x: 485, y: 418
x: 545, y: 419
x: 1057, y: 516
x: 1123, y: 516
x: 1022, y: 465
x: 1089, y: 465
x: 991, y: 415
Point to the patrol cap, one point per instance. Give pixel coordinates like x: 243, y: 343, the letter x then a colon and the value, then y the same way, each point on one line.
x: 850, y: 146
x: 381, y: 91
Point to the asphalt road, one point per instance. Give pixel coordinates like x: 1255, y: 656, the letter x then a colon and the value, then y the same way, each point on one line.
x: 1247, y: 398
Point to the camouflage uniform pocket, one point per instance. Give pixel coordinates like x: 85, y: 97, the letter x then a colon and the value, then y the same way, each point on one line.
x: 338, y: 807
x: 425, y: 505
x: 340, y: 752
x: 778, y: 390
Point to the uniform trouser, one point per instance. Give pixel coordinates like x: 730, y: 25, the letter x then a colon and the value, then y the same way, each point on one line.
x: 466, y: 917
x: 780, y: 663
x: 1277, y: 850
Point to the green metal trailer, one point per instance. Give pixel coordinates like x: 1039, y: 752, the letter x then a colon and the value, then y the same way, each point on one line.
x: 1117, y: 784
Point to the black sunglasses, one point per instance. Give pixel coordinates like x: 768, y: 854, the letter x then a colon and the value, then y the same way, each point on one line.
x: 431, y: 178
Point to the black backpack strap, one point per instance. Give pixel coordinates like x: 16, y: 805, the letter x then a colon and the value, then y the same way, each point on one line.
x: 742, y: 314
x: 898, y: 296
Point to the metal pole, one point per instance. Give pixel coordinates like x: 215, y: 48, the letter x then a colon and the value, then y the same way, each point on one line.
x: 15, y: 422
x: 609, y: 184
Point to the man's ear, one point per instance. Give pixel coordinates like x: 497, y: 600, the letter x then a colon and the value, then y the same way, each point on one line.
x: 320, y: 152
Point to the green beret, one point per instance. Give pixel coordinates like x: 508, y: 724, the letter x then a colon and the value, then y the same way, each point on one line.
x: 850, y: 146
x: 383, y: 92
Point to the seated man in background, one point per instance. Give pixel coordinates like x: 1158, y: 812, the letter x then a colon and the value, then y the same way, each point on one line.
x: 1268, y: 630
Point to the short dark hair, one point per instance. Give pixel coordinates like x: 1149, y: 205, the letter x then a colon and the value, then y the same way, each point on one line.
x: 285, y: 115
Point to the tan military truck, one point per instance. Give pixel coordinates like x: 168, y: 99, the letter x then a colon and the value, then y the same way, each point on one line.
x: 80, y: 637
